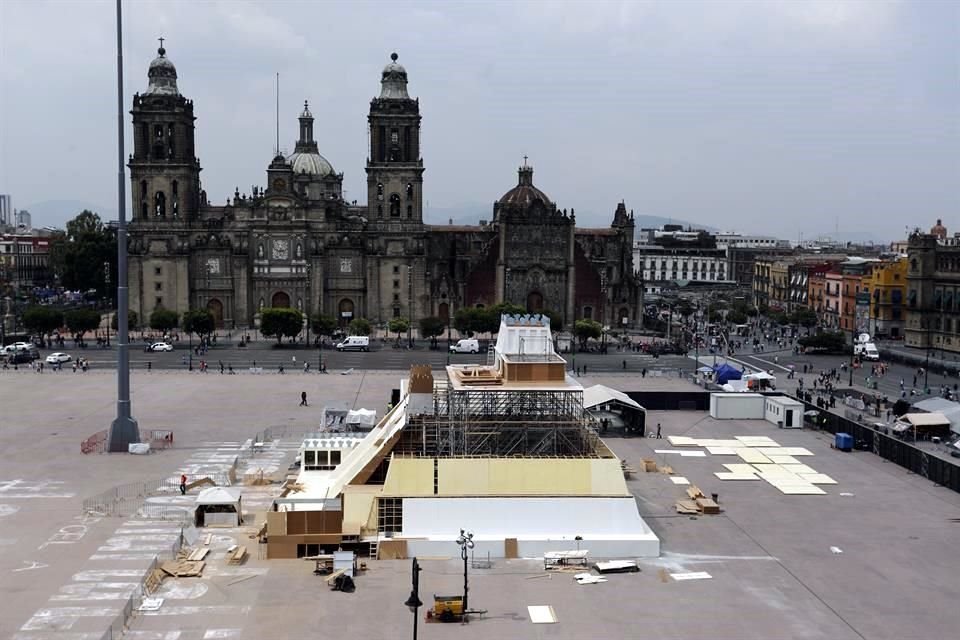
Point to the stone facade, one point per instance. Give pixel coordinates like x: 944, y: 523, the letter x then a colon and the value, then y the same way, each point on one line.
x: 298, y: 243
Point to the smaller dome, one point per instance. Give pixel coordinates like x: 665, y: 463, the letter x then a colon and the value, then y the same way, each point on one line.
x: 162, y: 75
x: 310, y: 163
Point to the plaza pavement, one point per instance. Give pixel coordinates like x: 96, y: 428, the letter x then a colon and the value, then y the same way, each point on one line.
x: 65, y: 576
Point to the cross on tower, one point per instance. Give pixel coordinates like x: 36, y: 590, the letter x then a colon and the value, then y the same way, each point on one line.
x: 161, y: 42
x: 524, y: 160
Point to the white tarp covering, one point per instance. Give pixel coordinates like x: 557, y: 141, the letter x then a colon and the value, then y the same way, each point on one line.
x: 599, y: 394
x: 218, y: 495
x: 609, y: 527
x: 138, y: 448
x: 361, y: 419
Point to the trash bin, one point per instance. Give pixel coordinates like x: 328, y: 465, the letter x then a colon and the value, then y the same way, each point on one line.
x: 844, y: 442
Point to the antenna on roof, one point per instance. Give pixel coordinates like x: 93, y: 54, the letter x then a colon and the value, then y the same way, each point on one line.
x: 277, y: 148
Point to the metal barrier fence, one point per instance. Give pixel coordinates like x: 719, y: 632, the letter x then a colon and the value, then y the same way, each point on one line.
x: 127, y: 499
x: 97, y: 443
x: 907, y: 455
x: 118, y: 626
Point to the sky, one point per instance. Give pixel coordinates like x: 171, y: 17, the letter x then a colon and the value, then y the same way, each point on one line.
x: 787, y: 118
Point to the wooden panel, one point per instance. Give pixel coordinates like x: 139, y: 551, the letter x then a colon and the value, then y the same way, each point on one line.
x: 510, y: 549
x: 276, y: 523
x: 281, y: 551
x: 296, y: 522
x: 392, y: 549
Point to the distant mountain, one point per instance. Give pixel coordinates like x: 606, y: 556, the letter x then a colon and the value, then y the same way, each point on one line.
x: 55, y: 213
x: 472, y: 214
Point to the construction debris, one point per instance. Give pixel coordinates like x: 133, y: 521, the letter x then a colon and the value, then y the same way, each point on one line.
x: 692, y: 575
x: 236, y: 554
x: 151, y: 604
x: 198, y: 554
x: 688, y: 507
x: 694, y: 492
x: 588, y: 578
x: 183, y: 568
x: 153, y: 581
x: 649, y: 465
x: 617, y: 566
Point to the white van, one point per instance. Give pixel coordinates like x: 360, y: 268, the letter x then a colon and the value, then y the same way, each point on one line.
x: 467, y: 345
x: 867, y: 351
x: 354, y: 343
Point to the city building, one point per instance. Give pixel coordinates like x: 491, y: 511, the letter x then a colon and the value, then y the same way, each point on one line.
x: 832, y: 298
x: 887, y: 285
x: 297, y: 242
x: 727, y: 240
x: 24, y: 260
x: 933, y: 292
x: 6, y: 210
x: 855, y: 302
x: 506, y: 450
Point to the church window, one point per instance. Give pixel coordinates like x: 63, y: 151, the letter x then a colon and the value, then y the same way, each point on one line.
x: 380, y: 191
x: 160, y: 204
x: 158, y: 301
x: 396, y: 284
x: 394, y: 205
x: 394, y: 137
x: 396, y: 268
x: 158, y: 286
x: 379, y: 210
x: 175, y: 187
x: 158, y: 132
x: 381, y: 143
x: 158, y: 271
x: 143, y: 189
x: 588, y: 313
x: 396, y: 312
x: 144, y: 209
x: 396, y: 297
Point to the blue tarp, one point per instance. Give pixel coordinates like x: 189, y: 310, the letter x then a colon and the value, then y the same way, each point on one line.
x: 724, y: 373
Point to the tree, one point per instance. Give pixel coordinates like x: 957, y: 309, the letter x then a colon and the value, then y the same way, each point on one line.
x: 85, y: 256
x: 79, y: 321
x: 465, y: 321
x: 280, y: 322
x: 488, y: 319
x: 804, y: 317
x: 556, y: 320
x: 737, y: 316
x: 398, y: 326
x: 199, y: 321
x: 42, y: 320
x: 132, y: 321
x: 828, y: 342
x: 323, y: 325
x: 163, y: 320
x: 586, y: 329
x: 431, y: 327
x: 359, y: 327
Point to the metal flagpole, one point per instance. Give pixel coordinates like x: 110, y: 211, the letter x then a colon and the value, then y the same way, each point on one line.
x: 123, y: 430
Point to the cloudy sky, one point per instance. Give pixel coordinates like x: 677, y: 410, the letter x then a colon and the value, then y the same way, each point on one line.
x: 780, y: 117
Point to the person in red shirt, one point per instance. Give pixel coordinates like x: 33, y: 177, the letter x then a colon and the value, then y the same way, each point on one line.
x: 183, y: 484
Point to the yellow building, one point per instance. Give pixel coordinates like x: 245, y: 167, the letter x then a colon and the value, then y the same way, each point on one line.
x: 887, y: 284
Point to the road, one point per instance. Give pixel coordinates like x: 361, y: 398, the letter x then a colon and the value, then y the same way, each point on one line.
x: 270, y: 357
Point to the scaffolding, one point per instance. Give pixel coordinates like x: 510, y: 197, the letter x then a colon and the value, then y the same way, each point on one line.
x: 502, y: 422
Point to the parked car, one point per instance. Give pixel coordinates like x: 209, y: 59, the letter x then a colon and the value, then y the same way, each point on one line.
x: 58, y: 357
x: 160, y: 346
x: 22, y: 348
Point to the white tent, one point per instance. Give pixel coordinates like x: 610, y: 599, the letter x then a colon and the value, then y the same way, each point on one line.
x: 361, y: 420
x: 599, y: 394
x: 219, y: 506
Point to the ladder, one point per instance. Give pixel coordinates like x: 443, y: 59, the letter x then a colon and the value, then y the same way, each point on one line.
x: 374, y: 547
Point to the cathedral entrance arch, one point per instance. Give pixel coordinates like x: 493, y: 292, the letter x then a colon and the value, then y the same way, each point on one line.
x: 215, y: 307
x: 345, y: 312
x: 280, y: 299
x: 534, y: 302
x: 443, y: 311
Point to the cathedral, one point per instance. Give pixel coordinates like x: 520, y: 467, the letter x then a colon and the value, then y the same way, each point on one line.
x: 296, y: 242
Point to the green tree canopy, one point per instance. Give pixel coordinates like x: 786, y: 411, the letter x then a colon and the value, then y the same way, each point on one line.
x: 42, y: 320
x: 398, y: 326
x: 465, y: 320
x: 737, y: 316
x: 804, y: 317
x: 828, y: 342
x: 431, y: 327
x: 556, y: 320
x: 359, y: 327
x: 280, y: 322
x: 132, y: 321
x: 163, y: 319
x: 79, y: 321
x: 199, y: 321
x: 323, y: 325
x: 85, y: 256
x: 586, y: 329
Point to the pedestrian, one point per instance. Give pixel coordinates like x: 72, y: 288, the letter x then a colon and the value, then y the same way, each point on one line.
x: 624, y: 365
x: 643, y: 373
x: 221, y: 366
x: 183, y: 484
x: 584, y: 369
x: 149, y: 366
x: 303, y: 399
x: 658, y: 432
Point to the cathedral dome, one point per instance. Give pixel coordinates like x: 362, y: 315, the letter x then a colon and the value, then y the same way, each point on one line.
x: 162, y: 75
x: 524, y: 194
x: 310, y: 163
x: 393, y: 81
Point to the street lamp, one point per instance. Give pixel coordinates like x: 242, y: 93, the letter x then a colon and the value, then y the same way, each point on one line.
x: 413, y: 602
x: 466, y: 543
x: 410, y: 305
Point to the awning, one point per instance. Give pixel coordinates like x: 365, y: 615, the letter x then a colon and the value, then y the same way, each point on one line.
x: 218, y: 495
x: 599, y: 394
x: 925, y: 419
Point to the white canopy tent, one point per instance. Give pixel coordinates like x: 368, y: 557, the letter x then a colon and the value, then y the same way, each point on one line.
x: 219, y: 506
x: 361, y: 420
x: 599, y: 394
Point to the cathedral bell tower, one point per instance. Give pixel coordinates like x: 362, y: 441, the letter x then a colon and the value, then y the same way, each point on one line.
x: 164, y: 171
x: 394, y: 165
